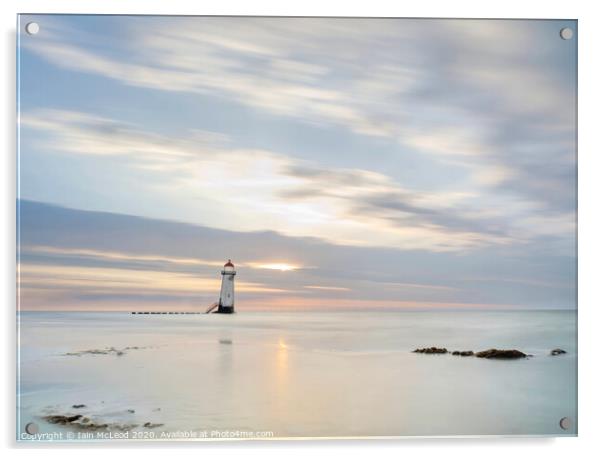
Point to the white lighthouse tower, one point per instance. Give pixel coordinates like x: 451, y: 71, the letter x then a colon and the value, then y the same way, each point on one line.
x: 226, y: 295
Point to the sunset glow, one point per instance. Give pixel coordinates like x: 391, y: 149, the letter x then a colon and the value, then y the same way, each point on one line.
x: 276, y: 266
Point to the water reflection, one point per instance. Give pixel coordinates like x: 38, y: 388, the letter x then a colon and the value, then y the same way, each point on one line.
x: 225, y: 354
x: 281, y: 376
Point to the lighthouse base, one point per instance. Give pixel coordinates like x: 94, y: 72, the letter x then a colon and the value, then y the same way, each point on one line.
x: 225, y: 310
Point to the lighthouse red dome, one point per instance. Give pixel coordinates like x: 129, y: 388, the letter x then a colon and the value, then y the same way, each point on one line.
x: 229, y: 264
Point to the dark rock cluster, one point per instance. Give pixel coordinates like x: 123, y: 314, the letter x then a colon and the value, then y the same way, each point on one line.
x: 488, y: 354
x: 501, y: 354
x: 151, y: 425
x: 81, y: 422
x: 105, y: 351
x: 463, y: 353
x: 431, y: 350
x: 85, y: 423
x: 78, y: 421
x: 62, y: 419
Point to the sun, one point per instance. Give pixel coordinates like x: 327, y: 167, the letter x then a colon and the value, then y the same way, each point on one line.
x: 278, y: 266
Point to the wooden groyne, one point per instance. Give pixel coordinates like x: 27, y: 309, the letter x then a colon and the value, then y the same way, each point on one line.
x: 167, y: 312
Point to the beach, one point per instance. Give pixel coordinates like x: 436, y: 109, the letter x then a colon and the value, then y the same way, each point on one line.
x: 295, y: 374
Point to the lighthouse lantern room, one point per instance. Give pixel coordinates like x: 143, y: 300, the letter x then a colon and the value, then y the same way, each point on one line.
x: 226, y: 296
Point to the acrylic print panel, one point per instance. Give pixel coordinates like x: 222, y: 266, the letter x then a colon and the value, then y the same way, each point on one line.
x: 257, y: 228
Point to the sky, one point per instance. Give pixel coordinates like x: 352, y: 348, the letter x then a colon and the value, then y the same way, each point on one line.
x: 369, y: 164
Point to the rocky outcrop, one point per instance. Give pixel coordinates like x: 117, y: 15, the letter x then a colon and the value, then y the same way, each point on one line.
x: 85, y: 423
x: 463, y: 353
x: 488, y: 354
x: 106, y: 351
x: 151, y: 425
x: 62, y: 419
x: 93, y: 423
x: 501, y: 354
x: 431, y: 350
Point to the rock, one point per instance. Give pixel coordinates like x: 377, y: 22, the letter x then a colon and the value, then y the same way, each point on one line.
x: 501, y: 354
x: 93, y: 426
x: 85, y: 423
x: 463, y: 353
x: 557, y: 351
x: 151, y: 425
x: 79, y: 406
x: 106, y: 351
x: 488, y: 354
x: 62, y: 419
x: 431, y: 350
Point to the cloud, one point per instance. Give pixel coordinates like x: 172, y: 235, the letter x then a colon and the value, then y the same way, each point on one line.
x: 364, y: 75
x: 279, y: 266
x: 73, y: 259
x: 495, y: 97
x: 295, y: 197
x: 110, y: 279
x: 328, y: 288
x: 108, y: 256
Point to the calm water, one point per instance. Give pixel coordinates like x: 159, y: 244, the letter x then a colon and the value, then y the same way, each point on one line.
x: 302, y: 374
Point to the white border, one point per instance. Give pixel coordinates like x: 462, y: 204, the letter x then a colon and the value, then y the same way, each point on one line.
x: 590, y: 227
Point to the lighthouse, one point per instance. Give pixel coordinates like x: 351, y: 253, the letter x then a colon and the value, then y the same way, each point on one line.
x: 226, y: 295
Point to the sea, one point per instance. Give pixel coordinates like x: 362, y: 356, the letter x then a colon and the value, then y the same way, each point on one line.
x: 274, y: 375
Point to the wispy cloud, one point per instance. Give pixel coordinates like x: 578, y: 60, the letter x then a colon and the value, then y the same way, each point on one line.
x: 279, y: 266
x: 294, y: 197
x: 67, y: 261
x: 56, y: 252
x: 292, y: 302
x: 489, y: 97
x: 328, y: 288
x: 94, y: 254
x: 54, y: 276
x: 451, y: 89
